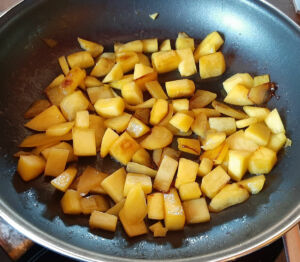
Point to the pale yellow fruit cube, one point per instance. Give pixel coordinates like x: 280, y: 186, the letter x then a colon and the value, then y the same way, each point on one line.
x: 158, y: 230
x: 200, y: 125
x: 213, y: 140
x: 165, y: 174
x: 60, y: 129
x: 141, y: 157
x: 82, y: 119
x: 116, y: 73
x: 118, y: 123
x: 155, y: 90
x: 222, y: 124
x: 189, y: 191
x: 214, y: 181
x: 108, y: 139
x: 114, y: 184
x: 97, y: 123
x: 183, y: 41
x: 141, y: 70
x: 180, y: 88
x: 132, y: 230
x: 159, y: 111
x: 65, y: 179
x: 133, y: 167
x: 84, y: 141
x: 110, y: 107
x: 92, y: 203
x: 181, y: 104
x: 230, y: 195
x: 135, y: 46
x: 165, y: 45
x: 56, y: 161
x: 137, y: 128
x: 124, y: 148
x: 98, y: 92
x: 174, y: 214
x: 155, y: 204
x: 253, y: 184
x: 127, y: 60
x: 210, y: 44
x: 262, y: 79
x: 64, y: 64
x: 94, y: 48
x: 238, y: 95
x: 70, y: 202
x: 274, y: 122
x: 187, y: 66
x: 238, y: 141
x: 115, y: 210
x: 135, y: 207
x: 262, y: 161
x: 189, y: 145
x: 238, y: 164
x: 259, y: 133
x: 246, y: 122
x: 132, y: 93
x: 187, y: 172
x: 82, y: 59
x: 133, y: 179
x: 103, y: 66
x: 165, y: 61
x: 238, y: 79
x: 196, y: 211
x: 150, y: 45
x: 257, y: 112
x: 205, y: 166
x: 30, y: 166
x: 276, y: 141
x: 103, y: 221
x: 212, y: 65
x: 120, y: 83
x: 181, y: 121
x: 227, y: 110
x: 159, y: 137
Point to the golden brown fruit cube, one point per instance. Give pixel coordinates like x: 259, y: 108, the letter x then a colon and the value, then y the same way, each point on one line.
x: 238, y: 164
x: 156, y: 156
x: 103, y: 221
x: 213, y: 140
x: 141, y: 157
x: 56, y: 161
x: 30, y: 166
x: 82, y: 119
x: 155, y: 90
x: 94, y: 48
x: 82, y: 59
x: 183, y: 41
x: 158, y: 230
x: 187, y: 66
x: 189, y: 191
x: 174, y: 214
x: 238, y: 96
x: 253, y: 184
x: 116, y: 73
x: 145, y: 105
x: 213, y: 154
x: 202, y: 98
x: 160, y: 137
x: 84, y: 141
x: 260, y: 94
x: 137, y: 128
x: 60, y: 129
x: 180, y: 88
x: 114, y: 184
x: 209, y: 112
x: 98, y: 92
x: 165, y: 121
x: 49, y: 117
x: 135, y: 46
x: 181, y: 105
x: 259, y: 133
x: 210, y: 44
x: 230, y: 195
x: 97, y: 123
x: 222, y: 124
x: 118, y: 123
x: 141, y: 70
x: 65, y: 179
x: 189, y: 145
x: 92, y: 203
x: 103, y: 66
x: 120, y: 83
x: 181, y: 121
x: 196, y: 211
x: 63, y: 145
x: 223, y: 155
x: 159, y: 111
x: 165, y: 61
x: 274, y: 122
x: 187, y: 172
x: 135, y: 207
x: 257, y: 112
x: 36, y: 108
x: 132, y: 94
x: 132, y: 230
x: 155, y: 204
x: 214, y: 181
x: 246, y: 122
x: 140, y: 169
x: 133, y: 179
x: 262, y: 161
x: 227, y: 110
x: 124, y: 148
x: 143, y: 59
x: 127, y: 60
x: 200, y: 125
x: 165, y: 45
x: 238, y: 141
x: 73, y: 103
x: 205, y: 166
x: 110, y: 107
x: 165, y: 174
x: 70, y: 203
x: 276, y: 141
x: 115, y: 210
x: 145, y: 79
x: 262, y: 79
x: 238, y: 79
x: 212, y: 65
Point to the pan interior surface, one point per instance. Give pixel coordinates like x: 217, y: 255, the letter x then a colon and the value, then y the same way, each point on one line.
x: 258, y: 40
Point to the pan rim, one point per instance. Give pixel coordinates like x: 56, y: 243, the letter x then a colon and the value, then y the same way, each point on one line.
x: 64, y: 248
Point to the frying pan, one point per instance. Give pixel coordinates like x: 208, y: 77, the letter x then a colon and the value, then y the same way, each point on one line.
x: 258, y: 39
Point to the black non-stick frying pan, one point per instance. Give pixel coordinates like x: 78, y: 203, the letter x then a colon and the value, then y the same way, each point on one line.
x: 258, y: 39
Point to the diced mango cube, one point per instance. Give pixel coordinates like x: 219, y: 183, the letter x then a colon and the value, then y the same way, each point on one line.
x: 165, y: 61
x: 196, y: 211
x: 150, y: 45
x: 132, y: 230
x: 84, y: 141
x: 259, y: 133
x: 187, y: 172
x: 70, y: 202
x: 159, y: 111
x: 276, y: 141
x: 274, y: 122
x: 189, y: 191
x: 118, y: 123
x: 92, y: 203
x: 137, y: 128
x: 65, y: 179
x: 205, y: 166
x: 187, y: 66
x: 213, y: 140
x: 155, y: 204
x: 180, y: 88
x: 258, y: 112
x: 108, y: 139
x: 181, y: 121
x: 115, y: 210
x: 238, y: 95
x: 253, y: 184
x: 165, y: 45
x: 189, y: 145
x: 238, y: 79
x: 238, y: 164
x: 262, y: 79
x: 103, y: 221
x: 180, y: 105
x: 158, y: 230
x: 82, y: 119
x: 133, y: 179
x: 262, y: 161
x: 56, y: 161
x: 30, y: 166
x: 82, y: 59
x: 141, y: 70
x: 115, y: 74
x: 212, y: 65
x: 110, y: 107
x: 132, y: 93
x: 222, y: 124
x: 155, y: 90
x: 141, y: 157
